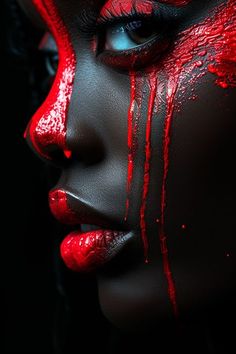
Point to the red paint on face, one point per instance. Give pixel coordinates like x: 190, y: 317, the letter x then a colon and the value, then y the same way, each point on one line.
x: 48, y: 125
x: 67, y: 154
x: 152, y: 79
x: 130, y: 139
x: 214, y: 39
x: 211, y: 42
x: 60, y: 209
x: 126, y: 6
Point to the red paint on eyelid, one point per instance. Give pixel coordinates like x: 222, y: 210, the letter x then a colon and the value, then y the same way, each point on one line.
x: 142, y: 6
x: 48, y: 125
x: 120, y: 6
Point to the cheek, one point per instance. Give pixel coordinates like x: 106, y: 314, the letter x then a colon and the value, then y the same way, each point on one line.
x: 205, y: 48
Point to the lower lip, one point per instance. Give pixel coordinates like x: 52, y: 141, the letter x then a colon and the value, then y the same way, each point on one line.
x: 83, y: 252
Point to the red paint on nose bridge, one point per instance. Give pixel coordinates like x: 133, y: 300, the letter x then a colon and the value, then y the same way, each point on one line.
x: 48, y: 126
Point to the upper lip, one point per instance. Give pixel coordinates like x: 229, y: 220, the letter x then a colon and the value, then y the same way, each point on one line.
x: 78, y: 211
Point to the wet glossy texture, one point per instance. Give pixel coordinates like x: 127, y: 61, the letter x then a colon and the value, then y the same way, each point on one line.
x: 83, y: 252
x: 130, y: 138
x: 48, y: 126
x: 152, y: 81
x: 60, y: 208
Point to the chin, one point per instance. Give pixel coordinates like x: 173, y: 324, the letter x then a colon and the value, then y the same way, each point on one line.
x: 135, y: 301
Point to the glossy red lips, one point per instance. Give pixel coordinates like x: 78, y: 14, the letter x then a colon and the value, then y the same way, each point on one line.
x: 84, y: 252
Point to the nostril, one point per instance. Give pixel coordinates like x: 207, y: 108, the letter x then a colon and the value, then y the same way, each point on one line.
x: 84, y: 143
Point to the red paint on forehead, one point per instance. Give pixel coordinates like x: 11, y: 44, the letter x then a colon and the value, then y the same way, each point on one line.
x: 48, y: 126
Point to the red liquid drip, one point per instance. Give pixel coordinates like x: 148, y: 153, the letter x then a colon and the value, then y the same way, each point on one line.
x: 216, y: 36
x: 148, y: 152
x: 130, y: 139
x: 48, y: 125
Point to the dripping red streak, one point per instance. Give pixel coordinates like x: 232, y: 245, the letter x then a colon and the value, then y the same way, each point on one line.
x: 212, y: 34
x: 171, y: 91
x: 130, y: 139
x: 148, y: 152
x: 48, y: 125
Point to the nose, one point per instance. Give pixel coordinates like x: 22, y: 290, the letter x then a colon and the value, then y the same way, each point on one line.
x: 54, y: 132
x: 48, y: 132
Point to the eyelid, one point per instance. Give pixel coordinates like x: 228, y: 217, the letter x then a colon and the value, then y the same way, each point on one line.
x: 111, y: 14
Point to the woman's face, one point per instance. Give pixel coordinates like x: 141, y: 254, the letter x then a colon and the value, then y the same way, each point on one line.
x: 141, y: 120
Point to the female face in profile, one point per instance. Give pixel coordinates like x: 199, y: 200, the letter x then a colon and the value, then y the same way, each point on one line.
x: 141, y: 120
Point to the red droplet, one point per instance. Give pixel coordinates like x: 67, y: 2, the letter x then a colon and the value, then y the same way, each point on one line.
x: 67, y: 153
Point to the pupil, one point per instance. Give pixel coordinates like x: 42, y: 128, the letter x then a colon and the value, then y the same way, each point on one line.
x: 140, y: 32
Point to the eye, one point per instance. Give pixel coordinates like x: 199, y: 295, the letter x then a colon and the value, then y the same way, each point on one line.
x: 49, y: 50
x: 134, y: 41
x: 125, y: 36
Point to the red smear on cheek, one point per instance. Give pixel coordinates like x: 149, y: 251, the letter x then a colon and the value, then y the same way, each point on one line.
x: 224, y: 61
x: 48, y: 126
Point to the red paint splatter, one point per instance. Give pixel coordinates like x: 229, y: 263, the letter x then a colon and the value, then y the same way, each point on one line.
x: 48, y: 126
x: 58, y: 203
x: 148, y: 151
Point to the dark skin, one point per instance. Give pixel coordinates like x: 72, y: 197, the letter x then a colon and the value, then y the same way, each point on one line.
x: 201, y: 190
